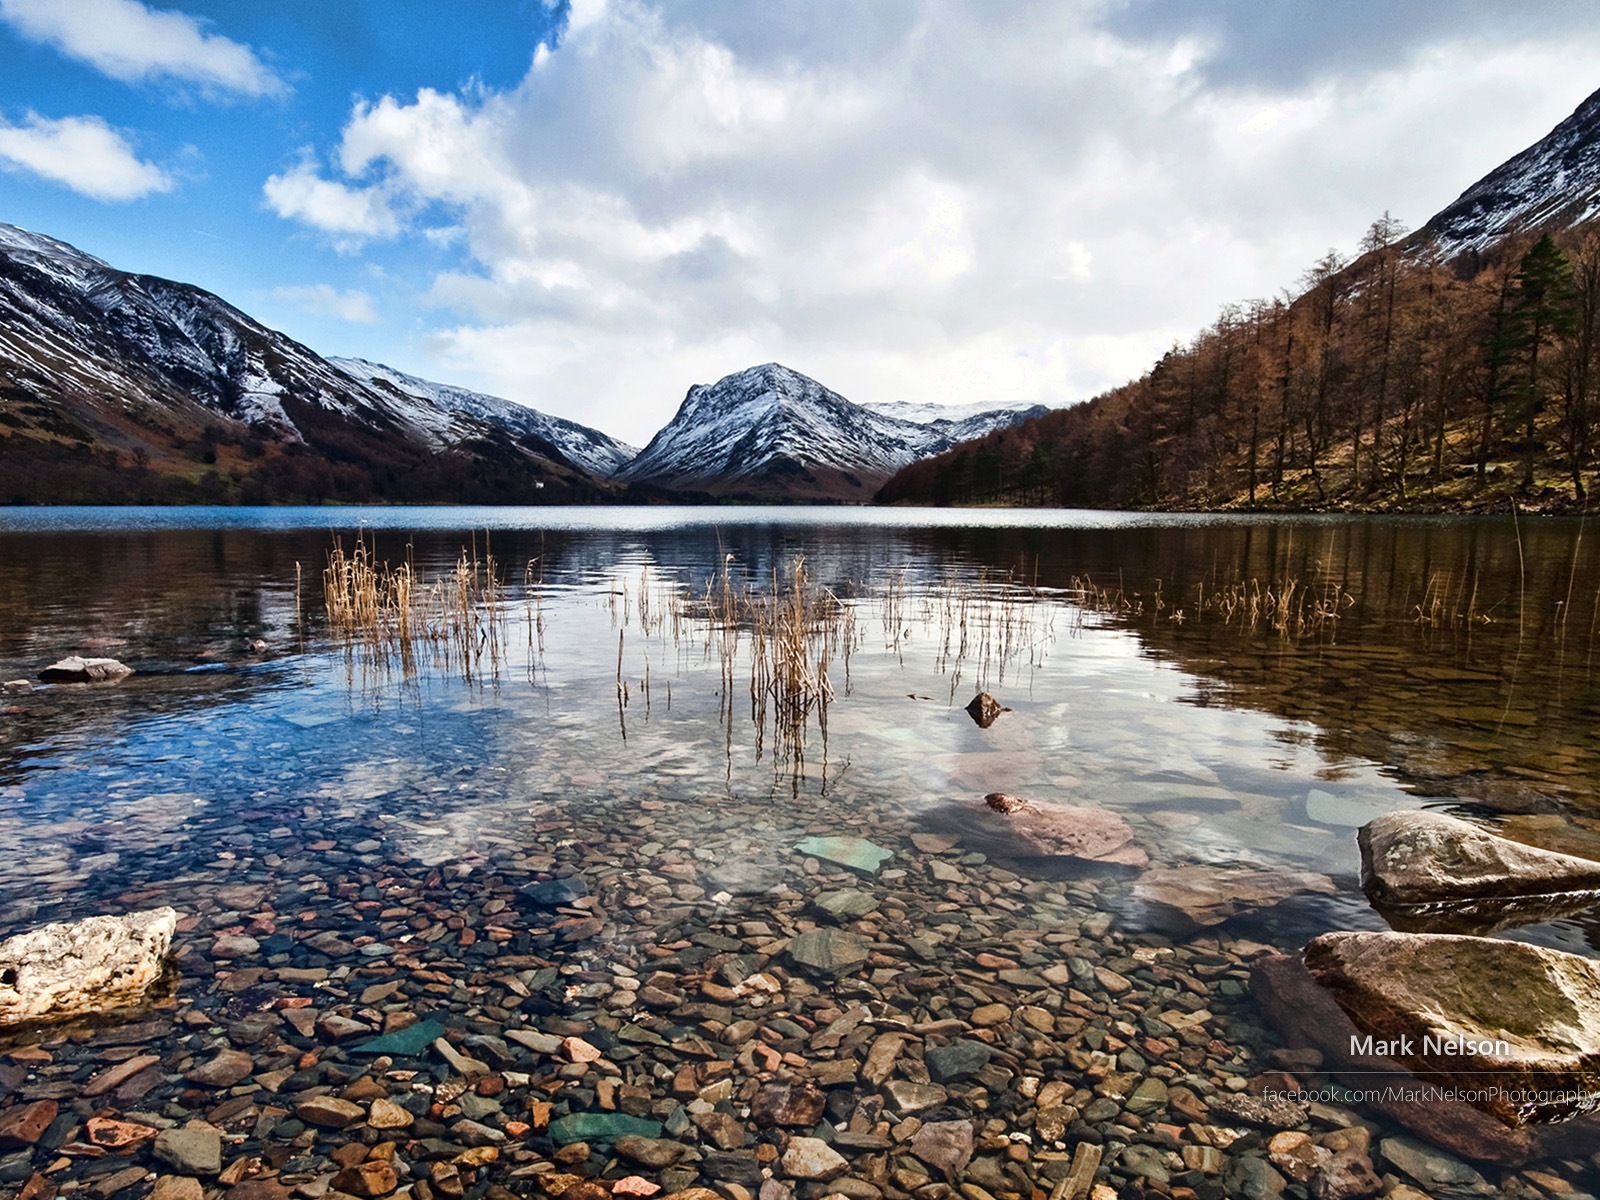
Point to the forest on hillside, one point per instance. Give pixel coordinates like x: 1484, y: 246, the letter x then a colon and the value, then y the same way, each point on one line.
x: 1394, y: 381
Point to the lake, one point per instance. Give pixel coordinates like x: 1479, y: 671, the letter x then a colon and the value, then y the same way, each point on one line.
x: 680, y: 708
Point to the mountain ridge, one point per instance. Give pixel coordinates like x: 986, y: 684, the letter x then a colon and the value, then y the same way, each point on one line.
x: 770, y: 432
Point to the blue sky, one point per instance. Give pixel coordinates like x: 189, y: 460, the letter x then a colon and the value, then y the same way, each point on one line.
x: 589, y: 206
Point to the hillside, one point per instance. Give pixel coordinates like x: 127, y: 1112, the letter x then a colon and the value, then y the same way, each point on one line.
x: 118, y: 387
x: 1454, y: 369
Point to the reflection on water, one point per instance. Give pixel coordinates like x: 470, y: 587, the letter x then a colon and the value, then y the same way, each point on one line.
x: 1245, y: 694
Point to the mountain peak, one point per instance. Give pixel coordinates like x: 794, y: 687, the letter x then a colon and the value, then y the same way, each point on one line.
x: 769, y: 432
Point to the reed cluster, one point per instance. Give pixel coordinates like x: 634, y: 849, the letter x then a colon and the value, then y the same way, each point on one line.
x: 389, y: 613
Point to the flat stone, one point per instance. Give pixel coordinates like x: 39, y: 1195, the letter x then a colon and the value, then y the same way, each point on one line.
x: 89, y: 966
x: 114, y: 1077
x: 787, y: 1104
x: 329, y: 1112
x: 177, y: 1187
x: 1181, y: 900
x: 223, y: 1071
x: 553, y: 893
x: 1438, y: 1173
x: 236, y: 945
x: 77, y: 669
x: 190, y: 1151
x: 24, y: 1126
x: 655, y: 1153
x: 944, y: 1145
x: 812, y: 1158
x: 845, y: 905
x: 857, y: 854
x: 600, y: 1127
x: 410, y: 1042
x: 386, y: 1114
x: 908, y: 1099
x: 830, y: 951
x: 1043, y: 830
x: 960, y: 1059
x: 1415, y: 858
x: 539, y: 1043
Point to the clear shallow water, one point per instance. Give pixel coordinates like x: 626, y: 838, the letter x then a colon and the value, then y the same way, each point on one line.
x: 1442, y: 672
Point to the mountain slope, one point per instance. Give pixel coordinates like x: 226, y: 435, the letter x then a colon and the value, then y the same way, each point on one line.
x: 769, y: 432
x: 1551, y: 186
x: 1454, y: 370
x: 452, y: 411
x: 116, y: 386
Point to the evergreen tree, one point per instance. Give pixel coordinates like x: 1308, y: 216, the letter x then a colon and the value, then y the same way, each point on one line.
x: 1541, y: 311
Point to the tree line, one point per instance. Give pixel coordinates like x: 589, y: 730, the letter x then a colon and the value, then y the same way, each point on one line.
x: 1397, y: 380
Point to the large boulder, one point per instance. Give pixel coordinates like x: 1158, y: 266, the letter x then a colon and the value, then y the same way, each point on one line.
x: 89, y: 966
x: 1181, y: 900
x: 1306, y: 1015
x: 77, y: 669
x: 1419, y: 858
x: 1515, y: 1027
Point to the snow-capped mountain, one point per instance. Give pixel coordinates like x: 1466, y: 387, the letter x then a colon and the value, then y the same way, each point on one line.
x: 117, y: 386
x: 771, y: 433
x: 1552, y: 185
x: 441, y: 406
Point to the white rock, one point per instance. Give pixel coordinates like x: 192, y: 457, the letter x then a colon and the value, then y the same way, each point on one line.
x: 87, y: 966
x: 812, y: 1158
x: 77, y: 669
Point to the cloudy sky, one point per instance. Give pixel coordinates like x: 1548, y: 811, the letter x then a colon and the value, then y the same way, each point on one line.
x: 588, y: 205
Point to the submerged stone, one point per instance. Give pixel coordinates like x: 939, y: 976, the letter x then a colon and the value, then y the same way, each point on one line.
x: 1181, y: 900
x: 553, y: 893
x: 858, y: 854
x: 959, y: 1060
x: 845, y: 905
x: 601, y: 1127
x: 828, y: 950
x: 410, y: 1042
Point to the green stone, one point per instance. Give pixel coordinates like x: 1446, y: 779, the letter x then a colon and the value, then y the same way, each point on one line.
x: 830, y: 951
x: 409, y: 1042
x: 845, y: 905
x: 600, y: 1127
x: 856, y: 853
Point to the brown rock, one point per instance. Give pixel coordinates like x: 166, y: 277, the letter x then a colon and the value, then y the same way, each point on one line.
x: 386, y: 1114
x: 1181, y: 900
x: 23, y: 1126
x: 1506, y: 1022
x: 1306, y: 1014
x: 787, y: 1104
x: 1057, y: 831
x: 367, y: 1179
x: 985, y: 710
x: 116, y: 1135
x: 944, y: 1145
x: 177, y: 1187
x: 223, y: 1071
x: 114, y: 1077
x: 329, y: 1112
x: 1424, y: 857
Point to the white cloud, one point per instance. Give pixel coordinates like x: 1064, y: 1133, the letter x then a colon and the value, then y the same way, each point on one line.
x: 351, y: 213
x: 83, y: 153
x: 325, y: 300
x: 132, y: 43
x: 912, y: 202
